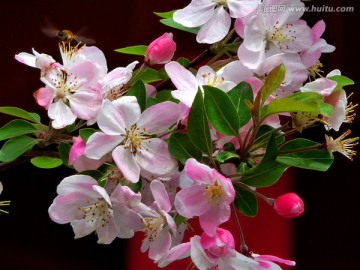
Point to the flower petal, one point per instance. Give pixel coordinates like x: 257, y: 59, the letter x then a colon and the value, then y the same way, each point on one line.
x: 85, y: 103
x: 126, y: 163
x: 198, y: 172
x: 99, y: 144
x: 61, y: 115
x: 190, y: 202
x: 160, y: 195
x: 195, y: 14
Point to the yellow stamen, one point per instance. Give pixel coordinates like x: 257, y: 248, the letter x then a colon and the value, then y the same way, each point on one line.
x: 214, y: 193
x: 4, y: 203
x: 342, y: 145
x: 315, y: 70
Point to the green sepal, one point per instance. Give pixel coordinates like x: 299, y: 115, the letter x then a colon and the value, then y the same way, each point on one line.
x: 170, y: 22
x: 165, y: 15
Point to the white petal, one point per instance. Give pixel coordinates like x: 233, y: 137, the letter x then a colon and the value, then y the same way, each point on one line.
x: 195, y: 14
x: 126, y: 163
x: 61, y: 115
x: 99, y: 144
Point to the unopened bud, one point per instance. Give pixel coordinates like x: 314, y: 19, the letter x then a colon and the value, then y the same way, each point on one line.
x: 289, y: 205
x: 161, y: 50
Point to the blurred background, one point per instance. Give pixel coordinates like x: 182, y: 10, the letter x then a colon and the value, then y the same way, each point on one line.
x: 324, y: 237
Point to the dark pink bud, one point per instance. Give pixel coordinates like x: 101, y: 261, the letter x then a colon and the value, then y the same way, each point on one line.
x: 289, y: 205
x: 161, y: 50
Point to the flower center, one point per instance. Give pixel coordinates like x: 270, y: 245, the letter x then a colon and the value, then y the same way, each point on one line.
x: 134, y: 138
x: 65, y: 85
x: 315, y: 70
x: 279, y: 35
x: 153, y: 226
x: 342, y: 145
x: 214, y: 193
x: 98, y: 213
x: 212, y: 79
x: 220, y: 2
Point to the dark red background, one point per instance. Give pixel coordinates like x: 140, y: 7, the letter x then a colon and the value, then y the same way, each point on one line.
x: 325, y: 237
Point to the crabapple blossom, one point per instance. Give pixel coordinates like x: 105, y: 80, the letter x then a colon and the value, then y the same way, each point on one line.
x: 129, y: 135
x: 158, y: 223
x: 88, y: 208
x: 210, y: 252
x: 269, y: 33
x: 161, y: 50
x: 209, y: 197
x: 187, y: 84
x: 213, y: 16
x: 289, y: 205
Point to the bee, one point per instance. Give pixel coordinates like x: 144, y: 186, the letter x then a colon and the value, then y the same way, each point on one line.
x: 66, y: 36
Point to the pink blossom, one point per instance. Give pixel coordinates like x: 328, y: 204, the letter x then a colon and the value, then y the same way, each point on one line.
x: 161, y: 50
x: 88, y: 208
x: 216, y: 252
x: 129, y: 135
x: 209, y: 197
x: 158, y: 223
x: 289, y: 205
x: 213, y: 17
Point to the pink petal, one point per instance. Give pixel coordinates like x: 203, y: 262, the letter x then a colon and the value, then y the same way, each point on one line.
x: 182, y: 78
x: 160, y: 246
x: 77, y: 183
x: 178, y: 252
x: 322, y: 86
x: 198, y: 255
x: 154, y: 156
x: 77, y: 149
x: 160, y: 195
x: 251, y: 59
x: 190, y: 202
x: 212, y: 218
x: 195, y: 14
x: 318, y: 29
x: 44, y: 97
x: 99, y: 144
x: 159, y: 117
x: 82, y: 228
x: 126, y: 163
x: 85, y: 103
x: 216, y: 28
x: 236, y: 72
x: 198, y: 172
x: 241, y: 8
x: 61, y: 115
x: 26, y: 58
x: 272, y: 258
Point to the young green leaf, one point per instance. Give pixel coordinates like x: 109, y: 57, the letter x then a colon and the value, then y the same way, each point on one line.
x: 148, y: 75
x: 246, y: 202
x: 341, y: 81
x: 64, y: 152
x: 319, y: 160
x: 272, y: 82
x: 165, y: 95
x: 221, y: 111
x: 134, y: 50
x: 239, y: 94
x: 198, y: 127
x: 224, y: 156
x: 138, y: 90
x: 15, y: 147
x: 17, y: 112
x: 16, y: 128
x: 181, y: 147
x: 46, y: 162
x: 170, y: 22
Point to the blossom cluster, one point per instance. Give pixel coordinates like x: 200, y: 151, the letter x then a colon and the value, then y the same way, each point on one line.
x: 151, y: 160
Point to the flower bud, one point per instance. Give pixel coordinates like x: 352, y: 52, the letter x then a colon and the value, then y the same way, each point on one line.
x: 161, y: 50
x: 289, y: 205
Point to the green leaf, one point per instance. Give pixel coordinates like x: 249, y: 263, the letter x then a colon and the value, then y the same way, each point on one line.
x: 238, y: 95
x: 151, y: 102
x: 134, y: 50
x: 298, y: 102
x: 341, y: 81
x: 64, y: 152
x: 16, y: 128
x: 170, y: 22
x: 14, y: 111
x: 183, y: 61
x: 165, y: 15
x: 148, y: 75
x: 46, y: 162
x: 319, y: 160
x: 225, y: 155
x: 198, y: 127
x: 15, y: 147
x: 181, y: 147
x: 246, y: 202
x: 138, y: 91
x: 272, y: 81
x: 264, y: 133
x: 221, y: 111
x: 85, y: 133
x: 165, y: 95
x: 268, y: 171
